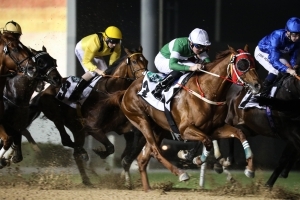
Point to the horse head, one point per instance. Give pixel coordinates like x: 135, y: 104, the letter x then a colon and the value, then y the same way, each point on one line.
x: 46, y: 67
x: 124, y: 71
x: 243, y: 70
x: 16, y: 57
x: 136, y: 61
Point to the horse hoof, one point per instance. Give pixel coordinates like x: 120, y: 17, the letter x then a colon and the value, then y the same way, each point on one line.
x: 218, y: 168
x: 249, y: 174
x: 102, y: 154
x: 17, y: 159
x: 184, y: 177
x: 284, y: 175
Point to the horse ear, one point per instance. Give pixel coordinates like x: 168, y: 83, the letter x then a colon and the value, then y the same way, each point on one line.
x: 246, y: 48
x: 44, y: 48
x: 140, y: 49
x: 127, y: 51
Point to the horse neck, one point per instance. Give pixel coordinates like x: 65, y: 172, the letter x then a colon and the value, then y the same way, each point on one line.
x: 116, y: 81
x: 289, y: 89
x: 216, y: 87
x: 19, y: 89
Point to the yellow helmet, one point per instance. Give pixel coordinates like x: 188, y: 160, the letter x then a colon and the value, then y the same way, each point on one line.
x: 12, y: 27
x: 113, y: 33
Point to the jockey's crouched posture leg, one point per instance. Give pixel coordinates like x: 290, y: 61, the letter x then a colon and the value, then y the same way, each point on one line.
x: 267, y: 85
x: 81, y: 85
x: 167, y: 81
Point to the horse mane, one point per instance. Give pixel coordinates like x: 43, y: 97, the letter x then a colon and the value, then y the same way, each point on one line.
x: 219, y: 57
x: 110, y: 70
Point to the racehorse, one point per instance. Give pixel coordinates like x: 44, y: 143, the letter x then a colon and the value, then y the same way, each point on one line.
x: 278, y: 124
x: 117, y: 77
x: 290, y: 155
x: 17, y: 94
x: 14, y: 58
x: 197, y: 117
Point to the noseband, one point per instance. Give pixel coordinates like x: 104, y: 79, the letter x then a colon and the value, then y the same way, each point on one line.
x: 18, y: 63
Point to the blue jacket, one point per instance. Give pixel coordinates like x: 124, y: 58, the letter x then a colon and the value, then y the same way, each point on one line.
x: 277, y: 44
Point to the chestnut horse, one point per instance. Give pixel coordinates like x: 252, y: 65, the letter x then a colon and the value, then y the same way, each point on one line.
x: 197, y: 117
x: 14, y: 58
x: 118, y: 77
x: 17, y: 94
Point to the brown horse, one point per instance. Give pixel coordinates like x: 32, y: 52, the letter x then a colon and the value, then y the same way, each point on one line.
x: 283, y: 124
x: 14, y: 58
x: 197, y: 117
x: 118, y: 77
x: 17, y: 94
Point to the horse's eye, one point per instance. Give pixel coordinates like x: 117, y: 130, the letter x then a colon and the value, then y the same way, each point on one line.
x: 243, y: 65
x: 134, y: 62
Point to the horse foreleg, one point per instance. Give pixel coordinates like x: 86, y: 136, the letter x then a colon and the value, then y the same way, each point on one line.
x: 102, y: 138
x: 65, y: 138
x: 193, y: 133
x: 30, y: 139
x: 286, y: 161
x: 228, y: 131
x: 81, y: 168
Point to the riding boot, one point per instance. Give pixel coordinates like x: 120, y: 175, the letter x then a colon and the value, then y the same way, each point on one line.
x: 266, y: 88
x: 81, y: 85
x: 169, y: 79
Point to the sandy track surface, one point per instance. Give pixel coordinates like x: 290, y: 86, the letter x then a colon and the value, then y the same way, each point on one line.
x: 109, y: 194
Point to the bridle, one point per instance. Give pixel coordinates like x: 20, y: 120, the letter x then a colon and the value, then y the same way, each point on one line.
x: 18, y: 63
x: 130, y: 64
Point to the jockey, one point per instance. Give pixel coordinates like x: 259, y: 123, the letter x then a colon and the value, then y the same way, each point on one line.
x: 272, y: 50
x: 12, y: 28
x: 90, y: 51
x: 173, y: 58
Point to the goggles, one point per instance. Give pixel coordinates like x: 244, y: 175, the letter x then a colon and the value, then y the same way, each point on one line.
x: 295, y: 34
x: 113, y: 41
x: 199, y: 46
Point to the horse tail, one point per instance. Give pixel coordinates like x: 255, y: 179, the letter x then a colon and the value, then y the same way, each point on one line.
x: 115, y: 98
x: 34, y: 109
x: 105, y: 112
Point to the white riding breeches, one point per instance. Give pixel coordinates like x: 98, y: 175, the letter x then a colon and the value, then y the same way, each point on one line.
x: 99, y: 61
x: 162, y: 63
x: 263, y: 59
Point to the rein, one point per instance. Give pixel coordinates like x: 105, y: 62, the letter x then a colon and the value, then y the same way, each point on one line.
x: 230, y: 66
x: 128, y: 79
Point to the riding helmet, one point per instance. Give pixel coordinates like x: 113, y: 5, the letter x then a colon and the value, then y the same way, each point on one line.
x: 293, y: 25
x: 12, y: 27
x: 199, y: 36
x: 113, y: 32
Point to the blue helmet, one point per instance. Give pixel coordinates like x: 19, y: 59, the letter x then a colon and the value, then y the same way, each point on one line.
x: 293, y: 25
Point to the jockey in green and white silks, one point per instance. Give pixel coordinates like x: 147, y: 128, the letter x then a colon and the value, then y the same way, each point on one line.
x: 173, y: 58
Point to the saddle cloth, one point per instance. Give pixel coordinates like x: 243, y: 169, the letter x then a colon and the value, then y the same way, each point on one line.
x: 149, y: 83
x: 249, y: 100
x: 68, y: 87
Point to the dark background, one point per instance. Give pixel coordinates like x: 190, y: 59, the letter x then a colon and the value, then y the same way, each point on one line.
x: 242, y: 22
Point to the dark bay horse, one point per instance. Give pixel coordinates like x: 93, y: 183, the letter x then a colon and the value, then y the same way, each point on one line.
x: 118, y: 77
x: 14, y: 58
x: 282, y: 124
x: 197, y: 118
x: 17, y: 94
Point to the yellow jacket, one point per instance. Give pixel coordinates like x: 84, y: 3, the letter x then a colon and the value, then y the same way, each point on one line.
x: 91, y: 45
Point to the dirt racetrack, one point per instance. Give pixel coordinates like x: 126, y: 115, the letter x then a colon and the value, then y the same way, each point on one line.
x: 78, y: 194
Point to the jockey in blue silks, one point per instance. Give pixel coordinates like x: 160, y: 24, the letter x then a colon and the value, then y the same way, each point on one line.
x: 274, y: 50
